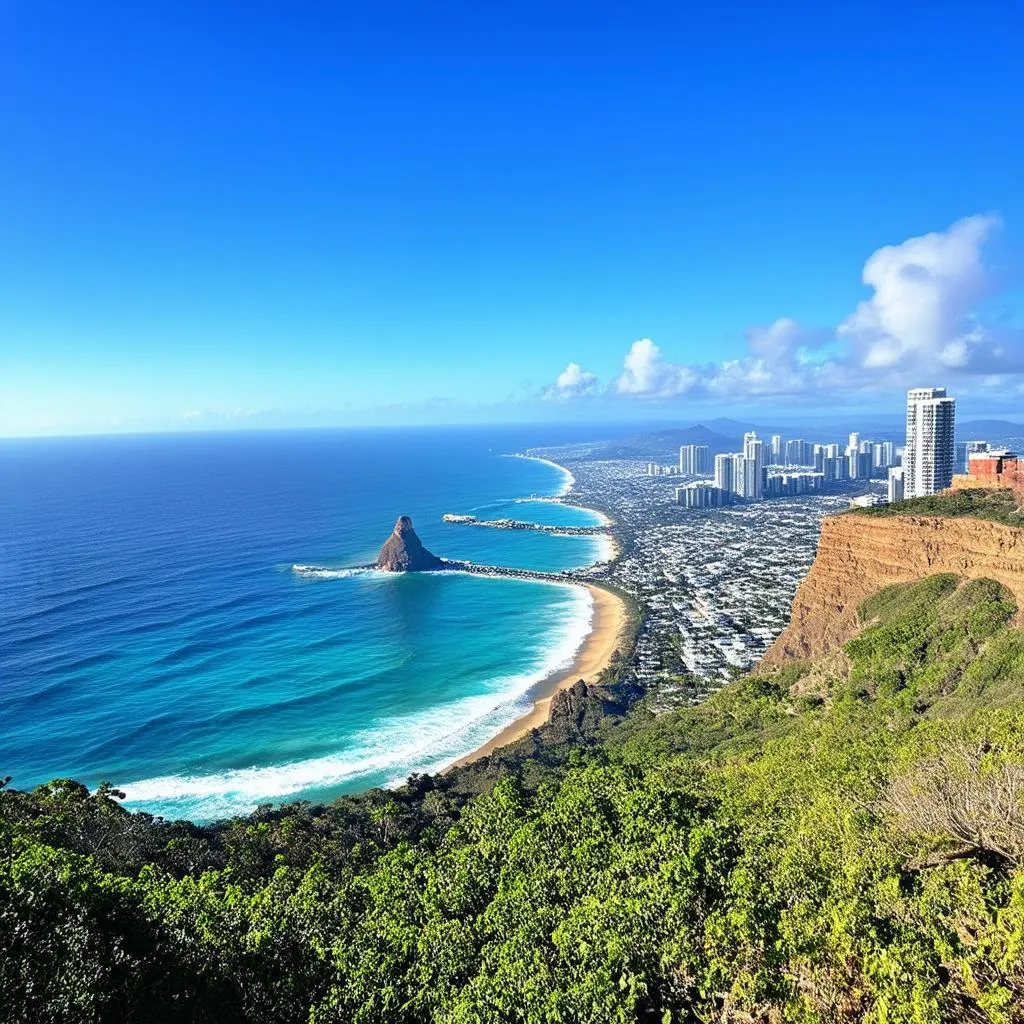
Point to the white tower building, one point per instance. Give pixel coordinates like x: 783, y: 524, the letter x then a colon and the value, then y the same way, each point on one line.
x: 896, y: 484
x: 694, y: 459
x: 930, y: 455
x: 753, y: 455
x: 739, y: 474
x: 723, y: 472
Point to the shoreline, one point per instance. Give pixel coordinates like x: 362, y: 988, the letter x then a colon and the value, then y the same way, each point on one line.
x: 608, y: 627
x: 607, y: 631
x: 560, y: 498
x: 608, y: 624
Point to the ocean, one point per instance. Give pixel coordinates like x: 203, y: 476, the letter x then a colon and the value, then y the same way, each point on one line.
x: 154, y: 634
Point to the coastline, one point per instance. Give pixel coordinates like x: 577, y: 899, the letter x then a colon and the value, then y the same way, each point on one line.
x: 569, y: 481
x: 608, y: 625
x: 607, y: 633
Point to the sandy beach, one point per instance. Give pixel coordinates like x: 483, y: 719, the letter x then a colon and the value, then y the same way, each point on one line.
x: 606, y: 634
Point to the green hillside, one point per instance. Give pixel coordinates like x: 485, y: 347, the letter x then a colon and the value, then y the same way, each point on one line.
x: 831, y: 841
x: 1000, y: 505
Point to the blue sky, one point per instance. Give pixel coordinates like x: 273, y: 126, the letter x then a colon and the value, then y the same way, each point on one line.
x: 252, y: 214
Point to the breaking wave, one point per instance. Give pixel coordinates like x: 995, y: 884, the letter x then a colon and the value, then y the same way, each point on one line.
x: 321, y: 573
x: 384, y: 754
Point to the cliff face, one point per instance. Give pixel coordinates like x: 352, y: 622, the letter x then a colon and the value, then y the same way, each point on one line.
x: 858, y: 555
x: 403, y: 551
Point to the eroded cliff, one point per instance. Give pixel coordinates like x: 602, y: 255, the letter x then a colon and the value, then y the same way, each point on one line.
x: 859, y: 554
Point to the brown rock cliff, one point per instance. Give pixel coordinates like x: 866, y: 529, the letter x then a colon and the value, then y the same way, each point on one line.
x: 858, y: 555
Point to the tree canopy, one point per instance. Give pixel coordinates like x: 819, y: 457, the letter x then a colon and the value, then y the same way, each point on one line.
x: 839, y: 840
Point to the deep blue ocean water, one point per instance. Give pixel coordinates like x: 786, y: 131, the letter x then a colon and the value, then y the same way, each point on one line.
x: 154, y: 634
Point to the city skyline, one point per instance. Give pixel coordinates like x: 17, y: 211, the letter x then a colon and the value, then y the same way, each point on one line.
x: 408, y: 216
x: 924, y: 465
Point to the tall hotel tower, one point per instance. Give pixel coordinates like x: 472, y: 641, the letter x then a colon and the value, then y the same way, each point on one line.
x: 723, y: 473
x: 930, y: 455
x: 753, y: 455
x: 694, y: 459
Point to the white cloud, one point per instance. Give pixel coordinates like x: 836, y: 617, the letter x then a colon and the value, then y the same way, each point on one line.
x: 776, y: 364
x: 923, y: 313
x: 572, y: 382
x: 647, y: 375
x: 923, y: 318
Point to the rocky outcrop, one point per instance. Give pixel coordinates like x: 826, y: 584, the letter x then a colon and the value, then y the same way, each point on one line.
x: 858, y: 555
x: 403, y: 551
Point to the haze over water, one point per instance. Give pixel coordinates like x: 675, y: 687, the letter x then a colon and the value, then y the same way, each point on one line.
x: 153, y: 633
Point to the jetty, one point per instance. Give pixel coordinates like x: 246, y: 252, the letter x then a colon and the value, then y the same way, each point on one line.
x: 404, y: 552
x: 522, y: 524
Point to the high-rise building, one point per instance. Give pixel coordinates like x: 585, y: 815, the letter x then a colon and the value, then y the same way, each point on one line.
x: 753, y: 468
x: 883, y: 454
x: 860, y: 465
x: 832, y: 451
x: 653, y: 469
x: 694, y: 460
x: 835, y: 467
x: 701, y: 494
x: 854, y: 443
x: 723, y: 472
x: 777, y: 450
x: 895, y: 484
x: 800, y: 482
x: 798, y: 453
x: 930, y: 455
x: 740, y: 477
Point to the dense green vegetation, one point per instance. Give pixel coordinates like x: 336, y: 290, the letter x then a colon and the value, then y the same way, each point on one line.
x: 999, y: 505
x: 833, y: 841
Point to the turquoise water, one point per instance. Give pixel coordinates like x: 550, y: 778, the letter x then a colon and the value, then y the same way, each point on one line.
x: 153, y: 633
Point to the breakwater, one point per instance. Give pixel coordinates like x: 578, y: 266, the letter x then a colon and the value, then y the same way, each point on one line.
x: 504, y: 571
x: 521, y: 524
x: 452, y: 565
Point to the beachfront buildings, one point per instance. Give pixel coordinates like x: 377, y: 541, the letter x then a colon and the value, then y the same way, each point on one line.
x: 930, y: 455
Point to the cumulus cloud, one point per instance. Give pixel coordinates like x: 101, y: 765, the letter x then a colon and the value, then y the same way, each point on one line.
x: 923, y: 310
x: 572, y: 382
x: 777, y: 363
x: 922, y: 317
x: 646, y: 374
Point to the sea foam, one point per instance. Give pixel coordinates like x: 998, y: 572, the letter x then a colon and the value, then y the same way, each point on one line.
x: 386, y: 753
x: 318, y: 572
